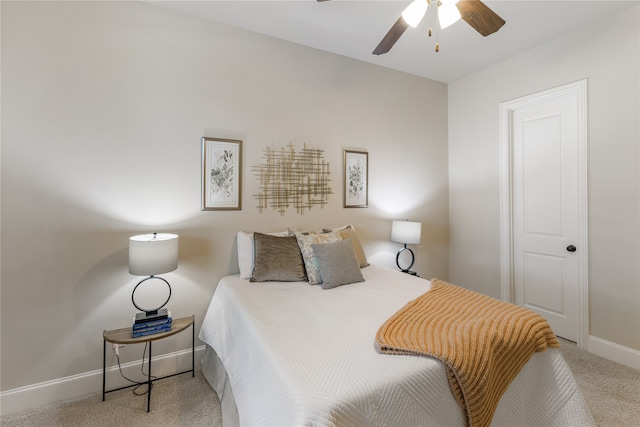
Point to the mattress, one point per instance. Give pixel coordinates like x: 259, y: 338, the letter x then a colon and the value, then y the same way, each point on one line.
x: 298, y: 355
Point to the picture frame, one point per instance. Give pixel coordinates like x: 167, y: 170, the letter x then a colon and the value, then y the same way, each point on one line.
x: 221, y: 172
x: 356, y: 179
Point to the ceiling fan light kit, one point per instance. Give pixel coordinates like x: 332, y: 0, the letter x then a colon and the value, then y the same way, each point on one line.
x: 448, y: 14
x: 414, y: 13
x: 475, y: 13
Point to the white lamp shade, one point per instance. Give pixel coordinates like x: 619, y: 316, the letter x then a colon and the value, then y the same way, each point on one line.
x: 406, y: 232
x: 448, y: 14
x: 414, y: 13
x: 152, y: 254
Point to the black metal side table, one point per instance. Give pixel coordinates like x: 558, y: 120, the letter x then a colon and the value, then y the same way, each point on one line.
x: 123, y: 336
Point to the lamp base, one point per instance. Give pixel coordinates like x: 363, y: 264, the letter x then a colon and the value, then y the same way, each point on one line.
x: 151, y: 316
x: 408, y: 269
x: 413, y: 273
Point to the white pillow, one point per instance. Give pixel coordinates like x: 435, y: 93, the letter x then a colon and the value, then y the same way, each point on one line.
x: 246, y: 252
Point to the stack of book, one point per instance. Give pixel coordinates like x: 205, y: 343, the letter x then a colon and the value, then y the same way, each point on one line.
x: 148, y: 325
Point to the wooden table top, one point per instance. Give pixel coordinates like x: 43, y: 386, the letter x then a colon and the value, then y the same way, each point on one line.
x: 124, y: 335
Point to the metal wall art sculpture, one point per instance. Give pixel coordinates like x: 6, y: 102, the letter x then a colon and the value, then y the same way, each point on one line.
x: 289, y: 178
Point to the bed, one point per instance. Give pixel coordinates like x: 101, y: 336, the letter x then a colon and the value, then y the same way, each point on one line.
x: 287, y: 353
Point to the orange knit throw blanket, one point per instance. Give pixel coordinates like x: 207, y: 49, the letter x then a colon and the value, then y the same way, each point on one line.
x: 482, y: 341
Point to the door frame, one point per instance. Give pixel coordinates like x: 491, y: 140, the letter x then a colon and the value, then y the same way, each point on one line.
x: 579, y: 90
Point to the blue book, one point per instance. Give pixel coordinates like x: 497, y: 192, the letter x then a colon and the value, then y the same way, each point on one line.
x: 151, y: 331
x: 138, y: 326
x: 154, y: 328
x: 144, y: 317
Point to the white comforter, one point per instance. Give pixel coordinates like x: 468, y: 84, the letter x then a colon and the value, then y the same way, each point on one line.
x: 299, y: 355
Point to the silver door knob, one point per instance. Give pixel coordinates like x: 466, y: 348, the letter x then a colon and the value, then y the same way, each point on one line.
x: 571, y: 248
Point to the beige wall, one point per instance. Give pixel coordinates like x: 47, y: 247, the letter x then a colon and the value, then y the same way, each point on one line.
x: 607, y: 54
x: 103, y: 108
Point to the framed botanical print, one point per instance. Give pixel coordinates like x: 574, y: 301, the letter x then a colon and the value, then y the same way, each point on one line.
x: 221, y: 174
x: 356, y: 179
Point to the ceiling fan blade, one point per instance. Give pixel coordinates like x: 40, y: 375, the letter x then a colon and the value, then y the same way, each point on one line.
x: 391, y: 37
x: 479, y: 16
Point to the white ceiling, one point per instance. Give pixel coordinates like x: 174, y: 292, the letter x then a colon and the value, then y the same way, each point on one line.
x: 353, y: 28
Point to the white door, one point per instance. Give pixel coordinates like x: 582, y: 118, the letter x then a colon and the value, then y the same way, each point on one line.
x: 548, y: 216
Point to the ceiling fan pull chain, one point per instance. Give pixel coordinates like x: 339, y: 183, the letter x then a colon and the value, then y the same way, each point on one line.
x: 429, y: 17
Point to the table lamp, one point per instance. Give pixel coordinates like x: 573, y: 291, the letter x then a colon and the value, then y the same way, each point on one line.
x: 150, y: 255
x: 407, y: 233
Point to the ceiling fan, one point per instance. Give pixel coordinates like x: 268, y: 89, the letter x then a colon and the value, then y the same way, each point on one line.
x: 473, y: 12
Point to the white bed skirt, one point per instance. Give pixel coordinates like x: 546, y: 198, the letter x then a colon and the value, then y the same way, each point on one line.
x: 217, y: 377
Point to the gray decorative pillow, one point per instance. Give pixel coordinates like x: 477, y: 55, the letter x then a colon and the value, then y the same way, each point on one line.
x: 277, y: 259
x: 337, y: 263
x: 348, y: 232
x: 305, y: 242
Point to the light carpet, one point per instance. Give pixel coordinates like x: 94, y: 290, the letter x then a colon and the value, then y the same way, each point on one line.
x: 176, y: 401
x: 611, y: 390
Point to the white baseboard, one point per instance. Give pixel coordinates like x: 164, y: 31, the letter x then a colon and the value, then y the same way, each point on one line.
x: 75, y: 386
x: 612, y: 351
